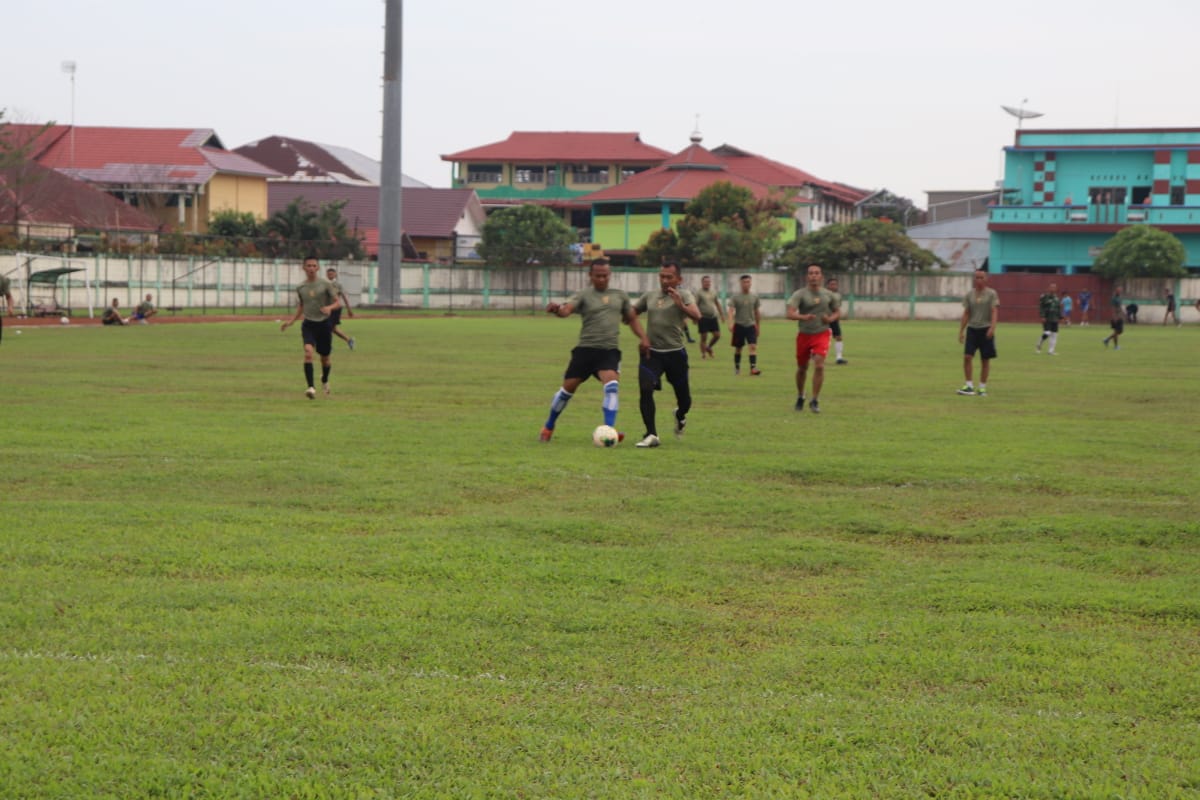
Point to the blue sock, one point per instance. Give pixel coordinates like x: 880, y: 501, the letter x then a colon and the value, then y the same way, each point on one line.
x: 561, y: 398
x: 610, y: 403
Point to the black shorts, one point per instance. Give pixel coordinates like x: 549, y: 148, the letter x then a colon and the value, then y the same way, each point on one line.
x: 709, y: 325
x: 589, y: 361
x: 1118, y: 325
x: 744, y: 334
x: 672, y: 363
x: 835, y: 328
x: 335, y: 317
x: 1050, y: 327
x: 977, y: 339
x: 319, y: 335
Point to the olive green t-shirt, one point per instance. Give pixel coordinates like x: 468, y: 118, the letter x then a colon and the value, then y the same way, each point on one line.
x: 821, y: 302
x: 337, y: 288
x: 709, y: 302
x: 979, y: 307
x: 664, y: 318
x: 145, y: 307
x: 314, y: 295
x: 602, y: 314
x: 744, y: 305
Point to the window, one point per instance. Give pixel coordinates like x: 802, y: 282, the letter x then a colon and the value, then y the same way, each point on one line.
x: 1176, y: 195
x: 1107, y: 195
x: 589, y: 173
x: 529, y: 175
x: 485, y: 173
x: 629, y: 172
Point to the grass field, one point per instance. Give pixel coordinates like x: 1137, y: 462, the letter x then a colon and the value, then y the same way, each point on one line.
x: 216, y: 588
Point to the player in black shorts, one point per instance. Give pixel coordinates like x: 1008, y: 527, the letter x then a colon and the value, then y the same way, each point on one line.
x: 316, y: 301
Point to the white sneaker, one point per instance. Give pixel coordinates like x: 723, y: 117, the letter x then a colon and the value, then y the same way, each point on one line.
x: 310, y: 393
x: 650, y: 441
x: 325, y: 388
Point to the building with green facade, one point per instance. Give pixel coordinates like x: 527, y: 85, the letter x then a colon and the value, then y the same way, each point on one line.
x: 1067, y: 192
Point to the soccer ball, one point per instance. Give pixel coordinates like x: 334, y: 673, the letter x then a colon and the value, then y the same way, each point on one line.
x: 605, y: 436
x: 65, y: 321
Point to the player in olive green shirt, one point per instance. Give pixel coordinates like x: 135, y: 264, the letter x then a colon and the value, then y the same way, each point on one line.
x: 6, y: 293
x: 745, y: 320
x: 335, y: 319
x: 667, y: 310
x: 709, y: 303
x: 815, y: 308
x: 316, y: 301
x: 145, y: 310
x: 603, y: 310
x: 977, y: 330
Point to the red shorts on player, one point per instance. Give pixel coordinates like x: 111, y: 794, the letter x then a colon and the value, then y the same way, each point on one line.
x: 811, y: 344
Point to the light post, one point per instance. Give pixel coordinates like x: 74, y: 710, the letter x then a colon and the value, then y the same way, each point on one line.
x: 69, y: 68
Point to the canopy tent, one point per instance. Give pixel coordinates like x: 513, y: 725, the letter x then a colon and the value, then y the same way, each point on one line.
x: 41, y: 292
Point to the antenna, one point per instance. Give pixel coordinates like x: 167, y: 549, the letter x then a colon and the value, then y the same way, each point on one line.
x: 1021, y: 114
x: 696, y: 138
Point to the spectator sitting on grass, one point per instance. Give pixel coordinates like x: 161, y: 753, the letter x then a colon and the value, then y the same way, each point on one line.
x: 112, y: 314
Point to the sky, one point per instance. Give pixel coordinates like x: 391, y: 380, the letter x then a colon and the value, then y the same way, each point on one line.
x: 899, y: 95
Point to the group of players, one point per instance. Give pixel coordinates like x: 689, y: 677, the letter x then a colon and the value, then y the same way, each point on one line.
x: 667, y: 310
x: 319, y: 303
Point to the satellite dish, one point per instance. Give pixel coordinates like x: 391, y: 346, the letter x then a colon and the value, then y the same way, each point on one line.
x: 1021, y: 113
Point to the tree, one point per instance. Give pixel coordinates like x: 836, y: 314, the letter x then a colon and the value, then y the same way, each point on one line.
x: 726, y: 227
x: 299, y: 230
x: 1141, y: 251
x: 662, y: 245
x: 521, y: 236
x: 234, y: 224
x: 859, y: 246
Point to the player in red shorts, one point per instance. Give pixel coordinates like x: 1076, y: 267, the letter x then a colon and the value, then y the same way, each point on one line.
x: 815, y: 308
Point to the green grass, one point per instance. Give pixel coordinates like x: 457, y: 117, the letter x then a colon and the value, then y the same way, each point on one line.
x: 213, y: 587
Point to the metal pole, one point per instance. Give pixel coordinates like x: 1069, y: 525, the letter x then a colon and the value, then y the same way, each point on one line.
x: 391, y: 229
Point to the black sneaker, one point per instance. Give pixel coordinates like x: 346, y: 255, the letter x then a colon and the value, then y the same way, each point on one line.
x: 814, y: 406
x: 800, y: 403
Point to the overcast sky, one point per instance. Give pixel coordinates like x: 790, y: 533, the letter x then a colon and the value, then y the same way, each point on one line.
x: 902, y: 95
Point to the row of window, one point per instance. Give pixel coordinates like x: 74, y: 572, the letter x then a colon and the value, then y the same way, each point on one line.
x: 580, y: 173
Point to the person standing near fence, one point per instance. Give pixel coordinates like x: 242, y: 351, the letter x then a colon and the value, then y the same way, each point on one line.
x: 1085, y: 306
x: 977, y: 332
x: 835, y: 328
x: 335, y: 319
x: 1171, y: 309
x: 1066, y: 308
x: 316, y: 301
x: 6, y: 293
x: 744, y: 321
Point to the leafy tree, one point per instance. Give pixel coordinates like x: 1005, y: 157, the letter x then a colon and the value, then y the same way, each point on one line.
x: 661, y: 245
x: 725, y: 227
x: 884, y: 205
x: 298, y: 230
x: 235, y: 224
x: 520, y: 236
x: 1141, y: 251
x: 862, y: 245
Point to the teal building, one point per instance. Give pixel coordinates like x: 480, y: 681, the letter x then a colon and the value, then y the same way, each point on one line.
x: 1066, y: 192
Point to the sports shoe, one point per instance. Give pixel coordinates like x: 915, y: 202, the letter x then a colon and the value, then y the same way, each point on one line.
x: 325, y: 389
x: 1105, y: 342
x: 966, y: 390
x: 841, y: 361
x: 982, y: 392
x: 814, y: 406
x: 737, y: 370
x: 350, y: 343
x: 650, y: 441
x: 755, y: 371
x: 1052, y: 353
x: 800, y: 403
x: 545, y: 435
x: 680, y: 424
x: 310, y: 393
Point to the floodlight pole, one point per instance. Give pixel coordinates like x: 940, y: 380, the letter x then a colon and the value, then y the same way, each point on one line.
x: 391, y: 228
x: 69, y: 68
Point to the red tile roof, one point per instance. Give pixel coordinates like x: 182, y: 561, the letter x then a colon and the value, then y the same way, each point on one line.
x: 426, y: 212
x: 49, y: 197
x: 138, y: 155
x: 565, y: 146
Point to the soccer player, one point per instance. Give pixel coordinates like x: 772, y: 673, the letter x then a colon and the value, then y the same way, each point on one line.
x: 815, y: 307
x: 1171, y: 309
x: 745, y: 322
x: 603, y: 310
x: 1085, y: 306
x: 977, y: 331
x: 6, y: 292
x: 112, y: 314
x: 1050, y: 310
x: 835, y: 328
x: 145, y: 310
x: 1116, y: 320
x: 709, y: 303
x: 316, y: 301
x: 335, y: 319
x: 667, y: 309
x: 1066, y: 308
